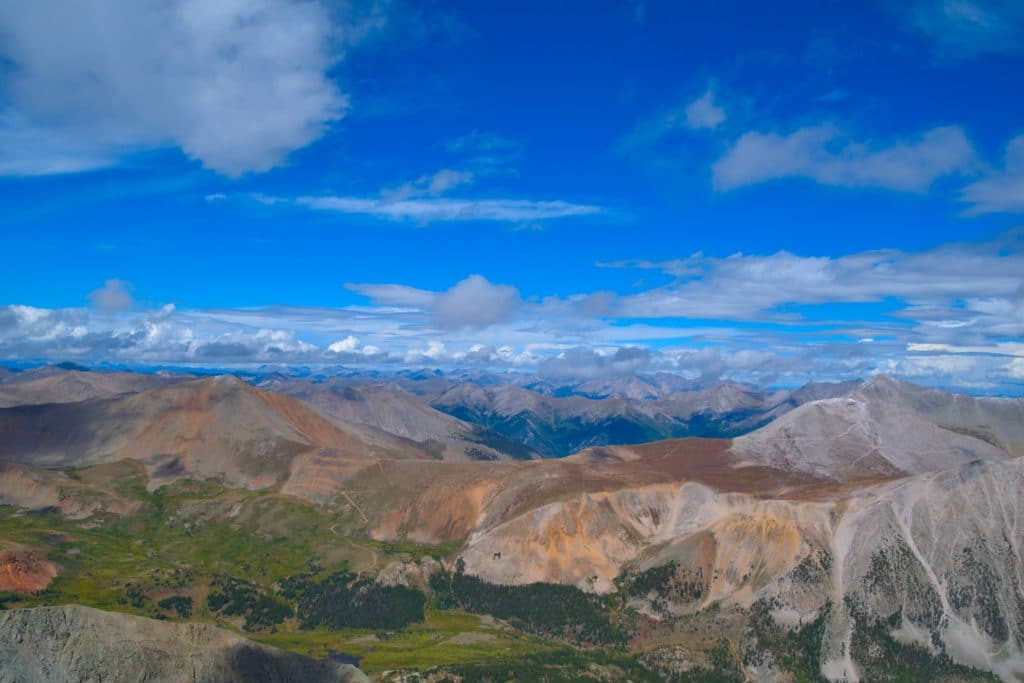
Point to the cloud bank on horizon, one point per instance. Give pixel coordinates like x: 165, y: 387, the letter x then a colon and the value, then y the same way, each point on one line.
x: 946, y: 316
x: 389, y: 183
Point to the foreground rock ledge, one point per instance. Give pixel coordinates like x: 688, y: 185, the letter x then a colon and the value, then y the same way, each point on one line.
x: 75, y: 643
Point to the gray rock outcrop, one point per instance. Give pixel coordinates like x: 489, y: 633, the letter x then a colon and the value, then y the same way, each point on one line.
x: 75, y: 644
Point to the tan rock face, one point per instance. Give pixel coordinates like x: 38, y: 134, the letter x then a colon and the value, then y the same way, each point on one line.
x: 737, y: 542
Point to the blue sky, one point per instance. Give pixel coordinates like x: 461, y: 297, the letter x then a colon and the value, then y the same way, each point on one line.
x: 721, y: 189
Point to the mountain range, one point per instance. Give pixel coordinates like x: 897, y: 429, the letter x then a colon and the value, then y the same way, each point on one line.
x: 840, y: 532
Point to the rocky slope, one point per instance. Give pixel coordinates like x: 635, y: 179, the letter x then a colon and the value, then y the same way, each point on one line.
x: 891, y: 519
x: 69, y: 386
x: 877, y: 528
x: 74, y: 643
x: 211, y: 428
x: 931, y: 562
x: 935, y: 560
x: 885, y: 427
x: 392, y: 410
x: 37, y: 489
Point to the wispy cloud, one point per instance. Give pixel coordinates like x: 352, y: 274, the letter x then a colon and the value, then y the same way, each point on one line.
x: 700, y: 113
x: 394, y: 295
x: 430, y: 185
x: 483, y: 143
x: 968, y: 28
x: 1000, y: 192
x: 977, y: 284
x: 28, y: 150
x: 443, y: 209
x: 826, y: 155
x: 703, y: 112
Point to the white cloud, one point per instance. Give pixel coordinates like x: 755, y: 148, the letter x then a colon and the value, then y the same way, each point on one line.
x: 113, y: 297
x: 827, y: 156
x: 430, y: 210
x: 237, y: 84
x: 475, y: 302
x: 526, y: 341
x: 704, y: 113
x: 999, y: 192
x: 346, y: 345
x: 986, y: 277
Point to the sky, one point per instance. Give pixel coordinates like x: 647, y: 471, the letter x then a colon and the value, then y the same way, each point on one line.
x: 765, y: 192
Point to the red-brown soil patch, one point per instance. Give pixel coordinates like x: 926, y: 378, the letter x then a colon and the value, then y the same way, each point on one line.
x: 25, y: 572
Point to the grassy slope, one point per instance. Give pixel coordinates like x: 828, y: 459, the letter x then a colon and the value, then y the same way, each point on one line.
x: 421, y: 646
x: 187, y: 532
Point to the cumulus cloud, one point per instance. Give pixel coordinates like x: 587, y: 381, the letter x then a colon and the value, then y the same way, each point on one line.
x: 435, y: 353
x: 1001, y: 192
x: 235, y: 85
x: 114, y: 296
x: 826, y: 155
x: 346, y: 345
x: 704, y: 113
x: 475, y: 302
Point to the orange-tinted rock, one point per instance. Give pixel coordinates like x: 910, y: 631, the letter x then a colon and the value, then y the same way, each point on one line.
x: 25, y: 572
